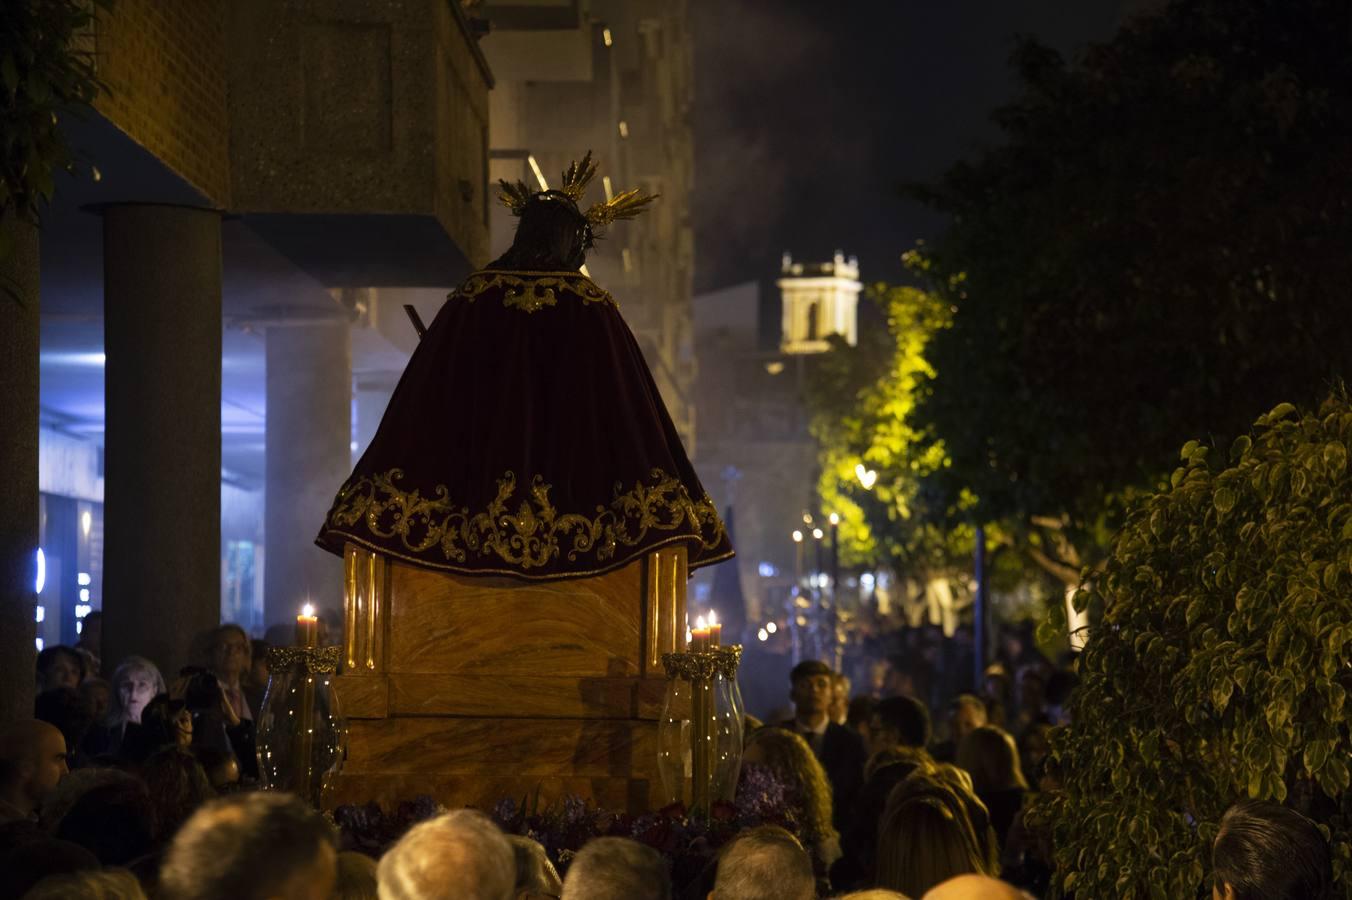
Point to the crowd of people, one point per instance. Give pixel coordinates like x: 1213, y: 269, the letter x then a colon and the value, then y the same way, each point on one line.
x: 137, y: 786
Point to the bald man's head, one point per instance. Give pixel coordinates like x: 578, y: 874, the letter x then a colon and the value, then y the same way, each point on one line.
x: 974, y: 887
x: 32, y: 762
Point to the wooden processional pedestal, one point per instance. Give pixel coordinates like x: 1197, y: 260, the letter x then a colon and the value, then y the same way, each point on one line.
x: 472, y: 689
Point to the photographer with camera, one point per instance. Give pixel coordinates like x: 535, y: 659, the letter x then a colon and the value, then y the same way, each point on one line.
x: 221, y: 717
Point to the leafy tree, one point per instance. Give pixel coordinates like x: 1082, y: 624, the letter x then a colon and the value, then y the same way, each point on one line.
x: 1157, y: 249
x: 862, y: 400
x: 45, y: 72
x: 1221, y: 667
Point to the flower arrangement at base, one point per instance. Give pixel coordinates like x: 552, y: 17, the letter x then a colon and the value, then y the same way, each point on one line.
x: 689, y: 842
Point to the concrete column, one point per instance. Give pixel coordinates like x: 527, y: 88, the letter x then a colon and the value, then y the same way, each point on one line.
x: 162, y: 456
x: 18, y: 462
x: 309, y: 433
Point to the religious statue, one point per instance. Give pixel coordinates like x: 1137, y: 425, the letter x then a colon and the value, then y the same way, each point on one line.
x: 517, y: 540
x: 527, y: 438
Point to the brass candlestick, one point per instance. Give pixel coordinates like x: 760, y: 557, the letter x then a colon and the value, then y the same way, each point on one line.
x: 715, y: 723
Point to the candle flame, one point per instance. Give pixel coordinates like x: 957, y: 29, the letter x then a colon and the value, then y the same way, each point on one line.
x: 713, y: 617
x: 699, y: 623
x: 308, y: 610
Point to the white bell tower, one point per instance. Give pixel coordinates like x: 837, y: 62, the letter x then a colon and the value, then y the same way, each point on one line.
x: 819, y: 299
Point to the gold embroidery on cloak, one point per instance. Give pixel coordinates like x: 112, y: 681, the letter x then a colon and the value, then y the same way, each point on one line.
x: 534, y: 291
x: 531, y: 535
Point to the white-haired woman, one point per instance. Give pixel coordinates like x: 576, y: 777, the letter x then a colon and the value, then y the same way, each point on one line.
x: 136, y: 682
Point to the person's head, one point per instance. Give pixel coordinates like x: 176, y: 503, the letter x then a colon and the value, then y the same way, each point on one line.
x: 70, y: 710
x: 459, y: 854
x: 178, y: 788
x: 996, y: 685
x: 60, y: 666
x: 975, y: 887
x: 988, y: 754
x: 923, y: 842
x: 115, y: 822
x: 30, y: 862
x: 765, y: 863
x: 965, y: 714
x: 789, y: 757
x: 164, y: 723
x: 1032, y: 687
x: 99, y: 695
x: 73, y: 787
x: 135, y: 681
x: 32, y: 762
x: 898, y: 722
x: 536, y: 877
x: 258, y: 665
x: 552, y: 235
x: 1034, y: 749
x: 959, y: 786
x: 911, y: 758
x: 91, y: 631
x: 1056, y: 695
x: 858, y: 714
x: 108, y: 884
x: 612, y: 868
x: 1265, y: 851
x: 840, y: 698
x: 356, y: 877
x: 810, y: 688
x: 251, y: 847
x: 228, y: 652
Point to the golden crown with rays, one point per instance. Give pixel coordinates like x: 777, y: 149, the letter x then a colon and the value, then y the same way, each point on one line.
x: 626, y: 205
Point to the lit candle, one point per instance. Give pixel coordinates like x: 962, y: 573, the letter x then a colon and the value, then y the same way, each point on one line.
x: 715, y: 630
x: 700, y: 633
x: 307, y: 627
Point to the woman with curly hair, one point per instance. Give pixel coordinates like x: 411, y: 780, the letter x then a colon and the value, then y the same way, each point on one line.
x: 792, y: 760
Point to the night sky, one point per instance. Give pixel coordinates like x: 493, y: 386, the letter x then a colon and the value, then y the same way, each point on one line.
x: 809, y: 115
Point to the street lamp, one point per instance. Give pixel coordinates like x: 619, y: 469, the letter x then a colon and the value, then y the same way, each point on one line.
x: 797, y: 558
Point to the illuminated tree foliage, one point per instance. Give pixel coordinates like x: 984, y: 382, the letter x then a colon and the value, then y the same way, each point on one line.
x: 1157, y: 250
x: 863, y: 401
x: 1222, y: 665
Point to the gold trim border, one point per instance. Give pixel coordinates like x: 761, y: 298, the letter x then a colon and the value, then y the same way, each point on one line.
x: 514, y: 573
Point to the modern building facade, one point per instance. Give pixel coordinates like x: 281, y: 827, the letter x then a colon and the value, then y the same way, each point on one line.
x: 207, y: 303
x: 613, y: 77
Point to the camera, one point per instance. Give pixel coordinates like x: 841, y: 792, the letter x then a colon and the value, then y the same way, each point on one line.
x: 203, y: 692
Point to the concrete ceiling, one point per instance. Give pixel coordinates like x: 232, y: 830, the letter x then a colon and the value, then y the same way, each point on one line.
x: 258, y: 283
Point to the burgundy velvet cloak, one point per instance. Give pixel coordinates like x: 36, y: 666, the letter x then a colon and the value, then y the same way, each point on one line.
x: 526, y: 438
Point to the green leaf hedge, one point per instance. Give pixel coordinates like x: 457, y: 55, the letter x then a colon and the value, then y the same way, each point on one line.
x: 1219, y: 664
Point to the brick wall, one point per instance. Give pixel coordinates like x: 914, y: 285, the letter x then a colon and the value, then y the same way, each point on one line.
x: 164, y: 64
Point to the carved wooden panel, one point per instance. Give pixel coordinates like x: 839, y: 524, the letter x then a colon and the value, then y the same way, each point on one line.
x: 515, y: 747
x: 363, y: 696
x: 525, y: 696
x: 444, y: 623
